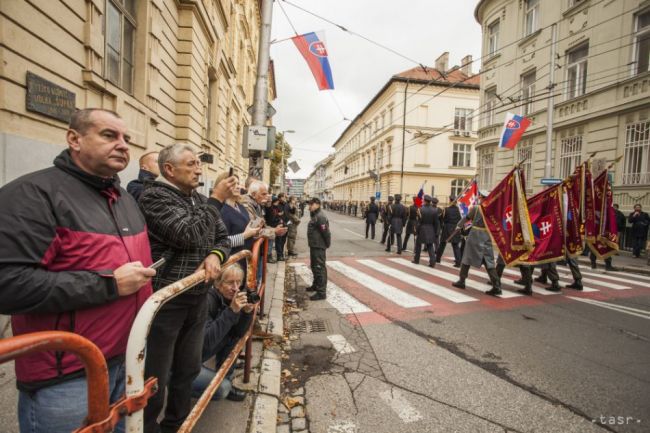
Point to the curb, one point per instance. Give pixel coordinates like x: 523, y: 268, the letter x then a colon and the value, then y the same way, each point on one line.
x: 265, y: 410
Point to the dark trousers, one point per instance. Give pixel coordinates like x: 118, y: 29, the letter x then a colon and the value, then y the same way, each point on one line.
x: 407, y: 235
x: 575, y: 269
x: 385, y: 233
x: 318, y: 269
x: 370, y: 226
x: 430, y: 248
x: 637, y: 245
x: 592, y: 259
x: 280, y: 241
x: 455, y: 246
x: 392, y: 239
x: 174, y: 356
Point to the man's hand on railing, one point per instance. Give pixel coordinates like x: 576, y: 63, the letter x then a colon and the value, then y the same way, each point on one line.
x: 130, y: 277
x: 212, y: 266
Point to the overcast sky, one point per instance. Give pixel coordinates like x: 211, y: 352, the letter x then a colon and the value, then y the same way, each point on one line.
x: 419, y: 29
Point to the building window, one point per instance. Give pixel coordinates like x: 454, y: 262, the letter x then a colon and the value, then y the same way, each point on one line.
x: 532, y: 16
x: 493, y: 38
x: 642, y: 47
x: 486, y: 169
x: 525, y: 154
x: 528, y: 91
x: 577, y: 71
x: 120, y: 35
x: 571, y: 154
x: 462, y: 155
x: 380, y: 158
x: 637, y: 154
x: 490, y: 106
x: 458, y: 186
x: 463, y: 119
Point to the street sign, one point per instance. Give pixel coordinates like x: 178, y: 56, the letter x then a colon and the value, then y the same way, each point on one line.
x: 378, y: 195
x: 550, y: 181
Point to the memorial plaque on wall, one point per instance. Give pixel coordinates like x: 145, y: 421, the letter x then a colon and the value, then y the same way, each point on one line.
x: 49, y: 99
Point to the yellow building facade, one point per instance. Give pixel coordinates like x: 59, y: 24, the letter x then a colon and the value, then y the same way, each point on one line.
x: 175, y: 70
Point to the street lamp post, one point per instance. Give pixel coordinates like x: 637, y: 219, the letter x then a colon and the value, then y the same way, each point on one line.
x: 288, y: 131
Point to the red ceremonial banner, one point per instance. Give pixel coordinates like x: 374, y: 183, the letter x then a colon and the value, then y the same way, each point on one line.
x: 545, y: 210
x: 605, y: 243
x: 506, y: 218
x: 589, y: 207
x: 574, y: 187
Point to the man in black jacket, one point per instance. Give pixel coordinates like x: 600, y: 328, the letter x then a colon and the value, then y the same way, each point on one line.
x: 640, y: 222
x: 385, y: 220
x: 229, y: 316
x: 186, y: 229
x: 450, y: 218
x: 319, y: 239
x: 372, y: 212
x: 396, y: 214
x: 428, y: 227
x: 149, y: 171
x: 411, y: 222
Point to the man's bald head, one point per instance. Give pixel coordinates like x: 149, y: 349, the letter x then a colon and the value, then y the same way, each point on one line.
x: 149, y: 162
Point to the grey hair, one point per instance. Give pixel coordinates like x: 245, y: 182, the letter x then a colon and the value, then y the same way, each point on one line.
x: 256, y: 186
x: 171, y: 154
x: 235, y: 267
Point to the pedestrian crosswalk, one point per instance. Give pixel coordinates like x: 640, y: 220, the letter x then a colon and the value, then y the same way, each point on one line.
x: 372, y: 285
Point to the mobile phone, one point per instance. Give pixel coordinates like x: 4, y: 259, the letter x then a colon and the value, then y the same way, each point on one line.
x: 230, y: 172
x: 158, y: 264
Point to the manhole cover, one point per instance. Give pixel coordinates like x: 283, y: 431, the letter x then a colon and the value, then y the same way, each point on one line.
x: 309, y: 326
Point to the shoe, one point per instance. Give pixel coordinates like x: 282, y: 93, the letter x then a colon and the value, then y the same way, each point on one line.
x: 541, y: 280
x: 432, y: 265
x: 520, y: 282
x: 438, y: 260
x: 310, y: 289
x: 236, y: 394
x: 271, y: 260
x: 593, y: 266
x: 456, y: 265
x: 239, y: 364
x: 293, y: 255
x: 493, y: 292
x: 525, y: 291
x: 554, y: 287
x: 387, y: 250
x: 318, y: 297
x: 612, y: 268
x: 415, y: 262
x: 459, y: 284
x: 576, y: 285
x: 399, y: 252
x: 281, y: 259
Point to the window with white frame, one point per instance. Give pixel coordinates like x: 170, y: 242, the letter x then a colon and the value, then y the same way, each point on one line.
x: 486, y: 169
x: 531, y: 17
x: 528, y: 91
x: 120, y: 38
x: 636, y: 170
x: 462, y: 154
x: 570, y: 155
x: 577, y: 71
x: 458, y: 186
x: 493, y: 38
x: 642, y: 43
x: 463, y: 119
x: 490, y: 106
x: 525, y: 161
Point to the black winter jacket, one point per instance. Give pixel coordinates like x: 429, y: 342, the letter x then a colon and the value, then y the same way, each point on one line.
x: 223, y: 328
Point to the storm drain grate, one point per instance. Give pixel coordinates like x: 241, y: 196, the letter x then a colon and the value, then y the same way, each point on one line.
x: 309, y: 326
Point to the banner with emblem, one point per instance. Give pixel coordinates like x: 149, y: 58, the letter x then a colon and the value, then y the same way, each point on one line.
x: 605, y: 242
x: 574, y: 193
x: 545, y: 210
x: 589, y: 206
x: 506, y: 217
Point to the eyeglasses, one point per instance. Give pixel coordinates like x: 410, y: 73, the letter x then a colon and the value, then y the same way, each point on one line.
x: 194, y: 163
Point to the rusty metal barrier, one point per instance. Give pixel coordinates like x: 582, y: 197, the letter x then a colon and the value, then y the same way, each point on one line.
x: 101, y: 418
x: 136, y: 347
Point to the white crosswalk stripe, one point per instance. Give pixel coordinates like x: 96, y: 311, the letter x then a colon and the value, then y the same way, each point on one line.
x: 336, y: 297
x: 443, y: 292
x: 516, y: 273
x: 384, y: 290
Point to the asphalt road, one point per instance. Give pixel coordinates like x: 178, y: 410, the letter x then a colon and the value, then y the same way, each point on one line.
x: 400, y: 353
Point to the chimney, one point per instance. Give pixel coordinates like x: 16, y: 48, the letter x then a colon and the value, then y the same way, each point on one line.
x: 442, y: 62
x: 466, y: 65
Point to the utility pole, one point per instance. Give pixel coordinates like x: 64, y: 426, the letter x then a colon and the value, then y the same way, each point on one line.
x: 260, y: 97
x: 548, y: 165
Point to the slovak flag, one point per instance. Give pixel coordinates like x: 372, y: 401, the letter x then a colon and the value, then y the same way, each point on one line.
x: 513, y: 128
x: 468, y: 198
x: 417, y: 201
x: 312, y: 47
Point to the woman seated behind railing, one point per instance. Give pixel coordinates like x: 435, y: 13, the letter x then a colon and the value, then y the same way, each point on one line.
x: 229, y: 316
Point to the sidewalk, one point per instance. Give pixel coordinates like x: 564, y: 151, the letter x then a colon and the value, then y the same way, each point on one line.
x: 624, y: 262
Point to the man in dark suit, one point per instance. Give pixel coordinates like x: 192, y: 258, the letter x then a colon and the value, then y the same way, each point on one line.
x: 385, y: 220
x: 371, y: 214
x: 640, y: 222
x: 396, y: 214
x: 450, y: 217
x: 411, y: 223
x: 427, y: 229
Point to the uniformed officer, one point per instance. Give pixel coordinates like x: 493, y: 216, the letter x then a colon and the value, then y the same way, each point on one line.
x: 427, y: 228
x: 294, y: 220
x: 372, y: 212
x: 384, y: 219
x: 450, y: 218
x: 478, y: 251
x: 411, y: 222
x: 397, y: 215
x: 319, y: 240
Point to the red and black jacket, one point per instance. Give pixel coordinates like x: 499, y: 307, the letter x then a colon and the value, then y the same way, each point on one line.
x: 62, y: 233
